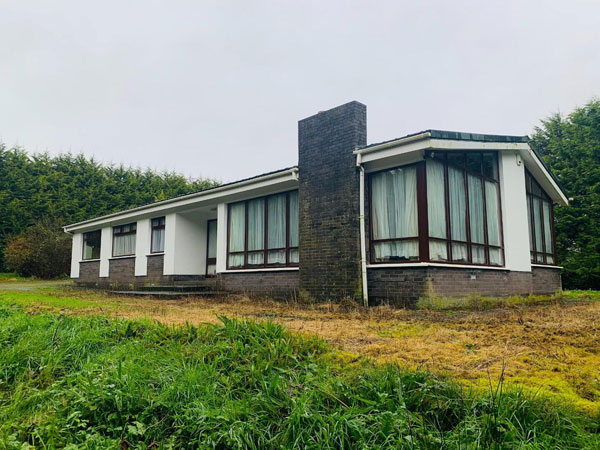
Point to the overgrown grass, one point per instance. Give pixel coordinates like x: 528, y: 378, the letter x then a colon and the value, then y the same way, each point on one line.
x: 8, y: 276
x: 94, y: 382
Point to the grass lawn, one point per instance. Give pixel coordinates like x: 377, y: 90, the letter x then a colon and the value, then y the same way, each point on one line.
x: 546, y: 347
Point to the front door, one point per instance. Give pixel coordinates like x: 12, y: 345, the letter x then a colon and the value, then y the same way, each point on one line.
x: 211, y: 248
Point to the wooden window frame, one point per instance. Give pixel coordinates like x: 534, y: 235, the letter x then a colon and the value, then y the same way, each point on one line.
x: 422, y: 212
x: 121, y: 233
x: 543, y: 197
x: 83, y: 258
x: 156, y: 227
x: 264, y: 250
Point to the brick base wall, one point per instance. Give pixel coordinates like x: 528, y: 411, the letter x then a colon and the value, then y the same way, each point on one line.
x: 404, y: 286
x: 89, y: 272
x: 276, y: 284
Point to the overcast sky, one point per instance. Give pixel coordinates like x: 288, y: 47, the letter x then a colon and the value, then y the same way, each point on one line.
x: 215, y: 89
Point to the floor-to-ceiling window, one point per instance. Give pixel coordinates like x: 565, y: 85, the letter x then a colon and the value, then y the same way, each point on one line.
x: 263, y: 232
x: 540, y: 215
x: 444, y: 209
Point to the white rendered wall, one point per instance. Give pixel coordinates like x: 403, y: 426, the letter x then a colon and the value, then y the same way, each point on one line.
x: 105, y: 250
x: 221, y: 237
x: 169, y: 259
x: 514, y: 212
x: 142, y: 247
x: 76, y: 254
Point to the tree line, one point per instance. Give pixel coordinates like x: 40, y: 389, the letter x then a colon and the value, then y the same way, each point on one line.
x: 70, y: 188
x: 63, y: 189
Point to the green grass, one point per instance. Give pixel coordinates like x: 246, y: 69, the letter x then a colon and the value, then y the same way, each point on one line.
x: 7, y: 276
x: 93, y: 382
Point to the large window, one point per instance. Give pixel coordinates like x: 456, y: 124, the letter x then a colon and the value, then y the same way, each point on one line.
x: 445, y: 209
x: 540, y: 215
x: 91, y: 244
x: 263, y: 232
x: 124, y: 240
x: 158, y: 235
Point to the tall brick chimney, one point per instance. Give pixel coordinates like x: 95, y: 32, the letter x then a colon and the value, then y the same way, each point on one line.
x: 329, y: 202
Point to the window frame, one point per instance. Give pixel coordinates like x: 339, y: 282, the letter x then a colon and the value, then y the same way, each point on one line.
x: 265, y: 250
x: 422, y: 211
x: 83, y: 258
x: 543, y: 197
x: 156, y: 227
x: 121, y: 233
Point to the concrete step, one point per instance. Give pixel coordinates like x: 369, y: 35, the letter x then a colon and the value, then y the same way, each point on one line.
x: 171, y: 294
x: 178, y: 288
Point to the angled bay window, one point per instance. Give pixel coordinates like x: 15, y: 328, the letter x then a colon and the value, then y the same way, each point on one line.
x: 91, y: 244
x: 540, y: 215
x: 124, y: 240
x: 444, y: 209
x: 263, y: 232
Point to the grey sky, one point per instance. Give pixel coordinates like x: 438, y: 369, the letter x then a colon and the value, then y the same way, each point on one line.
x: 215, y: 89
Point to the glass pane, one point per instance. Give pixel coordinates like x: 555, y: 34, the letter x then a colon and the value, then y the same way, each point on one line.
x: 535, y: 188
x: 256, y: 259
x: 293, y: 219
x: 124, y: 245
x: 539, y: 258
x: 211, y: 269
x: 547, y: 227
x: 237, y: 228
x: 490, y: 168
x: 495, y: 257
x: 537, y: 222
x: 438, y: 250
x: 276, y: 257
x: 91, y: 245
x: 256, y: 224
x: 550, y: 259
x: 456, y: 158
x: 493, y: 213
x: 212, y: 239
x: 236, y: 260
x: 294, y: 257
x: 436, y: 201
x: 474, y: 162
x: 476, y: 209
x: 394, y: 197
x: 459, y: 253
x: 478, y: 254
x: 397, y: 251
x: 158, y: 240
x: 529, y: 222
x: 458, y: 208
x: 277, y: 221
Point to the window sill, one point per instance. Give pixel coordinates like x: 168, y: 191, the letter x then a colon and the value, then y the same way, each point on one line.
x: 89, y: 260
x: 121, y: 257
x: 547, y: 266
x: 263, y: 269
x: 156, y: 254
x: 430, y: 264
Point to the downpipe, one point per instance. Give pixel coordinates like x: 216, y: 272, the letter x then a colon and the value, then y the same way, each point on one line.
x: 361, y: 217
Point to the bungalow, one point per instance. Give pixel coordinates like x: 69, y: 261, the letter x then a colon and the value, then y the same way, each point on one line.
x: 432, y: 213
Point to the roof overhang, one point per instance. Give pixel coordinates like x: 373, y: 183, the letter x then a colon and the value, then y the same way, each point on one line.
x: 411, y: 149
x: 270, y: 183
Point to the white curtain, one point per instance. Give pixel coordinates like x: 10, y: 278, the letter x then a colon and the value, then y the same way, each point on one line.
x: 458, y: 205
x: 478, y: 254
x: 394, y: 196
x: 476, y: 210
x: 212, y: 239
x: 124, y: 244
x: 493, y: 213
x: 256, y: 231
x: 237, y: 230
x: 158, y: 240
x: 294, y: 219
x: 459, y: 253
x: 436, y: 205
x: 277, y: 228
x: 495, y: 256
x: 547, y: 227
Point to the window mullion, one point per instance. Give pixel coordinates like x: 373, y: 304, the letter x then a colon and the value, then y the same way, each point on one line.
x: 423, y: 225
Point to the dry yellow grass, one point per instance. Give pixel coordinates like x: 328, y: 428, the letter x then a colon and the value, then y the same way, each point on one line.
x: 552, y: 349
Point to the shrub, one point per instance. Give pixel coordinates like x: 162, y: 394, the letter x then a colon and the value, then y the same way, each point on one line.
x: 43, y: 250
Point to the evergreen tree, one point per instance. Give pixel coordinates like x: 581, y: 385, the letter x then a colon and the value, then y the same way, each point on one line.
x: 571, y: 147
